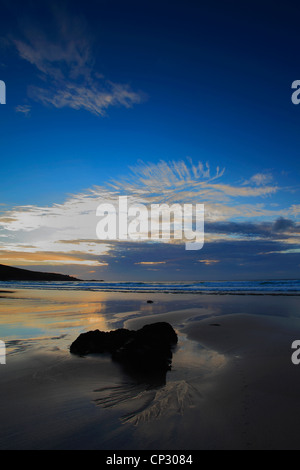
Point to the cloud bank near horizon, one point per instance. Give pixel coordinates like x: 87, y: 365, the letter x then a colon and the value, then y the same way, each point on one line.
x: 65, y: 234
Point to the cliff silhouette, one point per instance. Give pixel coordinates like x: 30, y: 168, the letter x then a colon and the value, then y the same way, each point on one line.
x: 8, y: 273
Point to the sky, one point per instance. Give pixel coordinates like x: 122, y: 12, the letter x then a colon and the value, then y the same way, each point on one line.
x: 163, y: 102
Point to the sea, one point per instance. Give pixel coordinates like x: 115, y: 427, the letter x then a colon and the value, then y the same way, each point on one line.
x: 253, y: 287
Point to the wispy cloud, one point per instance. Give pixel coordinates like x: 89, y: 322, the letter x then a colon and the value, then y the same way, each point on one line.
x: 67, y: 68
x: 151, y: 263
x: 170, y: 181
x: 23, y: 109
x: 244, y: 191
x: 295, y: 209
x: 209, y: 262
x: 260, y: 179
x: 94, y: 97
x: 175, y: 181
x: 24, y: 258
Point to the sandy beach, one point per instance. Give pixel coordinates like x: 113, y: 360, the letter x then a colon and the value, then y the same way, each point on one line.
x: 232, y: 383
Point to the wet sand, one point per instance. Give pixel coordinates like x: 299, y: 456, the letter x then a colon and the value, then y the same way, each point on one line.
x: 232, y: 383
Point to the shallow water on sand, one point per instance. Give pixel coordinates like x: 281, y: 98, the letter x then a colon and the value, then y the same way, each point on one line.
x: 50, y: 399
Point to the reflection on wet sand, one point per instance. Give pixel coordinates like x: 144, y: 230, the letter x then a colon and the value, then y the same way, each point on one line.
x: 31, y: 314
x: 146, y: 404
x: 16, y: 346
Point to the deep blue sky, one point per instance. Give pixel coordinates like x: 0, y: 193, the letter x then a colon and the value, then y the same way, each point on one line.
x: 211, y: 80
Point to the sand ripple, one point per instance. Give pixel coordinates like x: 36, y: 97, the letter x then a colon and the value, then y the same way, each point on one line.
x: 148, y: 404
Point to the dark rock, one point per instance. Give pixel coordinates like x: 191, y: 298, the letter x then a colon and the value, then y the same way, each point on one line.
x: 148, y: 349
x: 215, y: 324
x: 100, y: 341
x: 149, y: 301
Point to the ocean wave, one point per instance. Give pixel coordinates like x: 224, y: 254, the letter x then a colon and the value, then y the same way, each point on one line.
x: 259, y: 287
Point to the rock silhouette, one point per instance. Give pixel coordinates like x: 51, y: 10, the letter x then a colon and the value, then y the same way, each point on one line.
x: 148, y: 349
